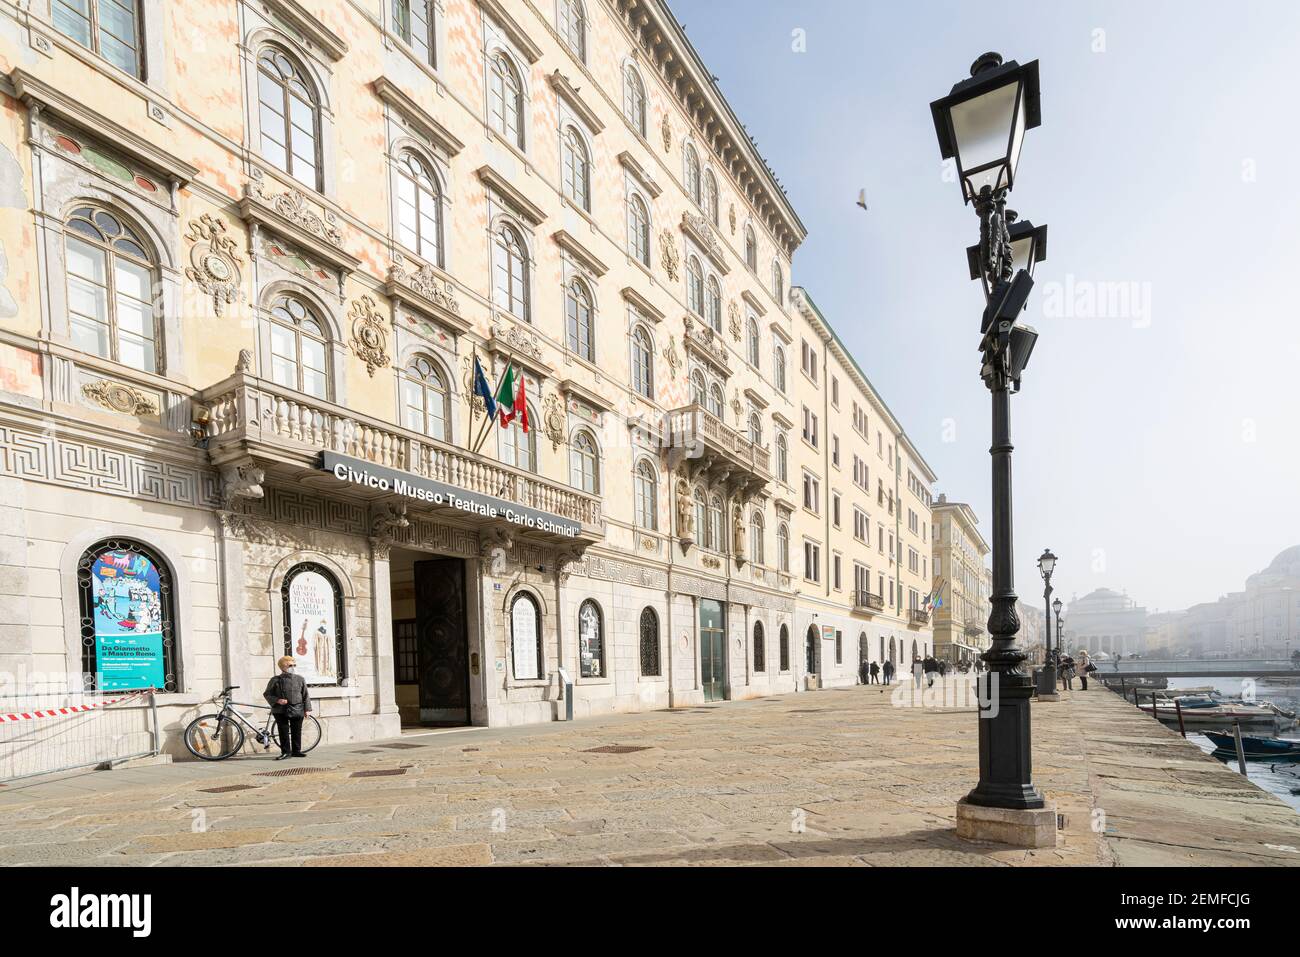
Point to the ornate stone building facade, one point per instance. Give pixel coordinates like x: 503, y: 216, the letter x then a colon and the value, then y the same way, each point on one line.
x: 963, y: 582
x: 255, y: 250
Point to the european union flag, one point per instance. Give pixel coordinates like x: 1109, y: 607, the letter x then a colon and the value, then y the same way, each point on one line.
x: 483, y: 390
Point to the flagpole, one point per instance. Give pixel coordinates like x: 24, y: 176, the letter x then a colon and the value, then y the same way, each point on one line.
x: 473, y: 447
x: 487, y: 427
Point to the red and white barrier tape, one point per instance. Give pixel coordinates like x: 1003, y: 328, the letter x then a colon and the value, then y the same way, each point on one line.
x: 72, y: 709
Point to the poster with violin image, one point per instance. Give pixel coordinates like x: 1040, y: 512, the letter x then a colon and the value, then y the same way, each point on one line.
x: 313, y: 631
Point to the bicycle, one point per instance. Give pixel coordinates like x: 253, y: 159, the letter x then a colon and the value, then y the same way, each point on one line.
x: 215, y: 737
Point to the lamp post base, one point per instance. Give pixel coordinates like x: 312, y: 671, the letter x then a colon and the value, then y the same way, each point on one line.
x: 1033, y: 827
x: 1047, y: 685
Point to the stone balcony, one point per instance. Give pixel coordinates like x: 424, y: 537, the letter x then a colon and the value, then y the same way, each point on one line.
x: 251, y: 421
x: 711, y: 449
x: 918, y: 617
x: 866, y: 602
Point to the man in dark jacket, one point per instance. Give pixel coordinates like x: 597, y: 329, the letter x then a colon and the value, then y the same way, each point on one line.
x: 889, y: 672
x: 875, y: 673
x: 864, y: 672
x: 289, y: 699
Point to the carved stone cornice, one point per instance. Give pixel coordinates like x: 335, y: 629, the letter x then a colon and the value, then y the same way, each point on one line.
x: 565, y: 90
x: 245, y: 527
x: 425, y: 290
x: 699, y: 229
x: 36, y: 94
x: 290, y: 214
x: 753, y: 302
x: 575, y: 390
x: 510, y: 195
x: 397, y: 98
x: 512, y: 29
x: 569, y: 243
x: 310, y: 28
x: 700, y: 340
x: 639, y: 174
x: 643, y: 305
x: 241, y: 480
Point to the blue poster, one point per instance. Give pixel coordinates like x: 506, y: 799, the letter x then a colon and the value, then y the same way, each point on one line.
x: 128, y: 621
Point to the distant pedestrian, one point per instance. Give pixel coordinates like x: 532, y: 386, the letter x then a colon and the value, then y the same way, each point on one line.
x: 943, y: 669
x: 1067, y: 673
x: 918, y: 667
x: 889, y: 671
x: 864, y: 672
x: 875, y: 673
x: 1085, y: 666
x: 290, y: 701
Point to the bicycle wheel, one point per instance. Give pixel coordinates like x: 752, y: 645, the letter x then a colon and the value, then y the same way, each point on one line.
x: 213, y: 737
x: 311, y: 733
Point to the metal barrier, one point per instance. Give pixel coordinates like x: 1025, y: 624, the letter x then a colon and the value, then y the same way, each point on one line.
x: 59, y: 730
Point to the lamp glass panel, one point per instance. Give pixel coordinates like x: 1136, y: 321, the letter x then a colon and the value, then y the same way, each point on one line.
x: 1022, y: 254
x: 982, y: 126
x: 1017, y: 136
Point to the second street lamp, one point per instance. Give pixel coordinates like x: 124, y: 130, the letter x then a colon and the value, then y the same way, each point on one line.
x: 981, y: 125
x: 1060, y: 635
x: 1047, y: 677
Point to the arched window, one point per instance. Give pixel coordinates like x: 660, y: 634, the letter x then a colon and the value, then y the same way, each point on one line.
x: 692, y: 174
x: 778, y: 283
x: 756, y: 536
x: 584, y: 464
x: 714, y: 304
x: 785, y: 648
x: 643, y: 363
x: 110, y: 28
x: 577, y: 169
x: 751, y: 339
x: 525, y: 637
x: 577, y: 311
x: 638, y: 230
x: 413, y: 22
x: 695, y: 286
x: 782, y: 458
x: 111, y: 280
x: 646, y: 497
x: 783, y: 547
x: 419, y: 208
x: 715, y: 400
x: 778, y: 368
x: 649, y: 643
x: 506, y: 100
x: 424, y: 399
x: 517, y: 447
x: 711, y: 196
x: 510, y: 273
x: 314, y: 623
x: 760, y: 653
x: 299, y: 348
x: 289, y: 117
x: 716, y: 540
x: 755, y: 428
x: 634, y: 98
x: 751, y: 249
x: 573, y: 27
x: 698, y: 388
x: 591, y: 640
x: 128, y: 640
x: 702, y: 519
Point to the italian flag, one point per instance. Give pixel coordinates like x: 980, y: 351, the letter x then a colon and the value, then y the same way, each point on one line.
x: 511, y: 400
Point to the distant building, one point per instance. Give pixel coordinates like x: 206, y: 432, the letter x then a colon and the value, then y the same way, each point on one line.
x: 1108, y: 622
x: 962, y: 582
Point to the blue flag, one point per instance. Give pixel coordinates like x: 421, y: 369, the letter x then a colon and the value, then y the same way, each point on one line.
x: 483, y: 390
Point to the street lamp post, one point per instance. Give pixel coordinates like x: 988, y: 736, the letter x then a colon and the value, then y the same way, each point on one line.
x: 1060, y: 634
x: 1047, y: 676
x: 981, y: 125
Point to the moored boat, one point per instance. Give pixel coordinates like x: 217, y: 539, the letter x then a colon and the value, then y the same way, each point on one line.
x: 1254, y: 748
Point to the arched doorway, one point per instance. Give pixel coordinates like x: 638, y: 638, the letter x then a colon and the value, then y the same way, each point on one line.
x: 864, y: 648
x: 914, y: 654
x: 810, y: 650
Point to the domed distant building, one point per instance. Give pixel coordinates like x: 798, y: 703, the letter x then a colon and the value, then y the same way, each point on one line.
x: 1266, y: 616
x: 1105, y: 621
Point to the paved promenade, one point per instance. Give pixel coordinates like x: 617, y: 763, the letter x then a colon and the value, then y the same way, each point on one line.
x: 829, y: 777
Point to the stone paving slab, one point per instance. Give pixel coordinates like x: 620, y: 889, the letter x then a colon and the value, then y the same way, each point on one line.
x: 835, y: 778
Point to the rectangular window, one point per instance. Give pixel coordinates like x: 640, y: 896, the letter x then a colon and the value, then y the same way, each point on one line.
x: 808, y: 360
x: 810, y: 426
x: 110, y: 28
x: 412, y: 22
x: 835, y: 509
x: 835, y: 392
x: 835, y: 451
x: 812, y: 561
x: 839, y: 647
x: 835, y: 571
x: 811, y: 493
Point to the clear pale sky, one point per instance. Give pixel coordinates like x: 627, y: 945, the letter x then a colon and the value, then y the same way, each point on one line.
x: 1158, y: 448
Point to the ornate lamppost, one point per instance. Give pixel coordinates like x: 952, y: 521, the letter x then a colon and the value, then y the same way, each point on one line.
x: 1060, y: 635
x: 981, y: 125
x: 1047, y: 676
